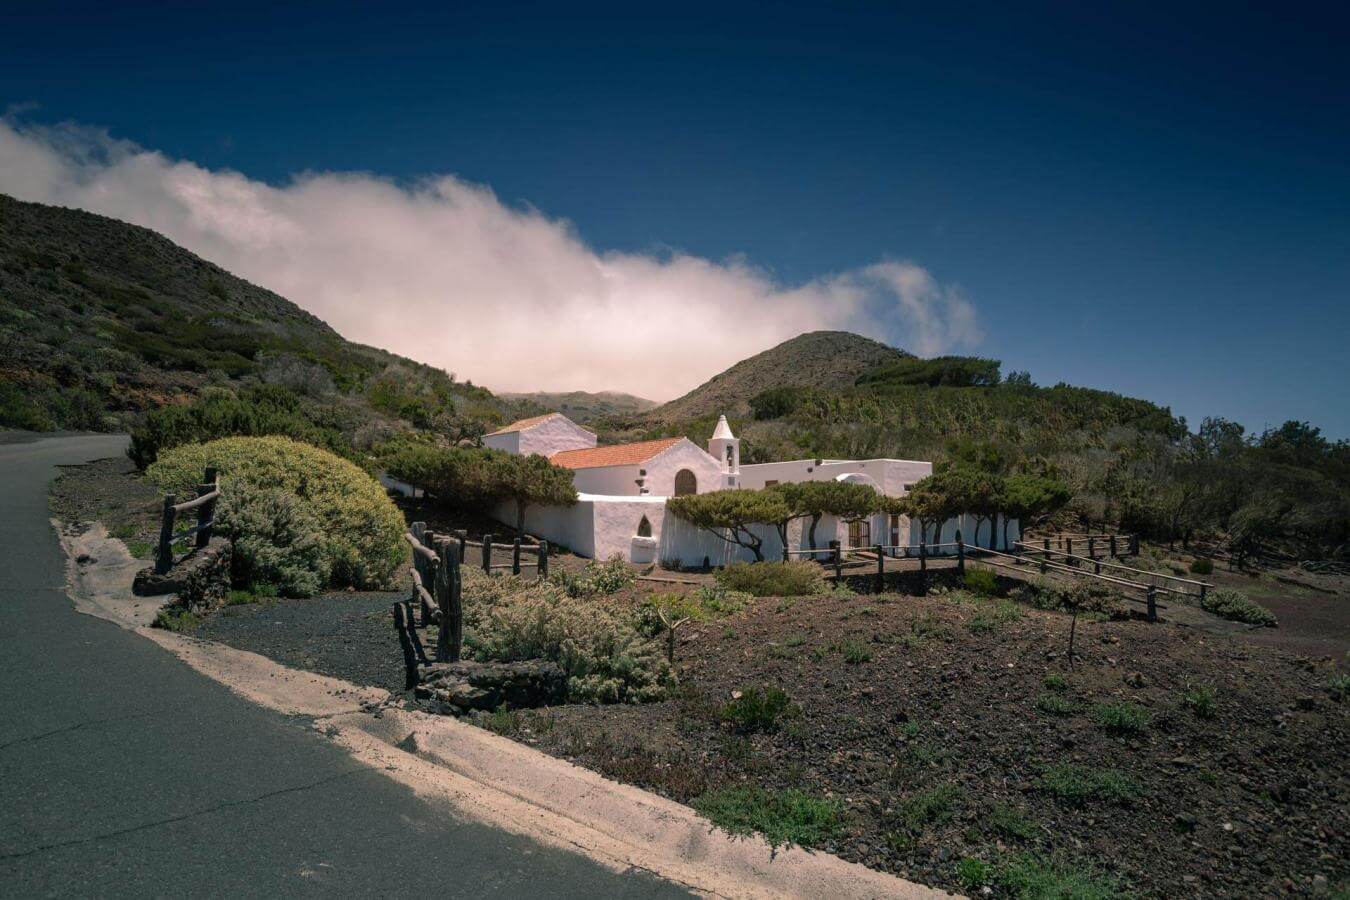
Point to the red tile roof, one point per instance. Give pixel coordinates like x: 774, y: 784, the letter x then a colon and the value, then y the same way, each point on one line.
x: 616, y: 455
x: 522, y: 424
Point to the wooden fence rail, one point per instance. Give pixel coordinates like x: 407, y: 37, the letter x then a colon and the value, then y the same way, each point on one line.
x: 208, y: 492
x: 437, y: 593
x: 1171, y: 584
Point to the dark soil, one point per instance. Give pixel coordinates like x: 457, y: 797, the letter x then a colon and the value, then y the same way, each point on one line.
x: 112, y: 492
x: 344, y: 635
x: 1254, y: 801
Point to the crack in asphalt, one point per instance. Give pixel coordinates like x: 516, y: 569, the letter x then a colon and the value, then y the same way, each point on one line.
x: 67, y: 729
x: 170, y: 820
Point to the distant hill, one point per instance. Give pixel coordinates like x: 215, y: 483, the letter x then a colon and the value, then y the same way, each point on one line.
x: 581, y: 406
x: 101, y: 320
x: 821, y: 359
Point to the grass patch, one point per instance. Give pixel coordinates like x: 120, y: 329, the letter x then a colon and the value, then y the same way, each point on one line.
x: 1201, y: 700
x: 140, y: 549
x: 993, y: 617
x: 1121, y: 718
x: 929, y: 807
x: 1056, y: 705
x: 773, y: 579
x: 1011, y: 823
x: 980, y: 581
x: 1076, y: 786
x: 1055, y: 682
x: 783, y: 817
x: 1031, y: 877
x: 974, y: 873
x: 854, y: 652
x: 757, y: 710
x: 1234, y: 605
x: 500, y: 721
x: 174, y: 618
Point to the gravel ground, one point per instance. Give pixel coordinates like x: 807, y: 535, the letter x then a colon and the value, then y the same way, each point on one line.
x: 345, y: 635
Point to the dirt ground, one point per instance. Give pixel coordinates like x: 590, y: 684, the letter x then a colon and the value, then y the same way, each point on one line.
x: 941, y: 726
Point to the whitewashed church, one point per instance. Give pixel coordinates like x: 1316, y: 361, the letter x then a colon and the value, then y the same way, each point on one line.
x: 623, y: 490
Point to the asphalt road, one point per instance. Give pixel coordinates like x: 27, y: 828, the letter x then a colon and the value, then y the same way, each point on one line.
x: 123, y: 771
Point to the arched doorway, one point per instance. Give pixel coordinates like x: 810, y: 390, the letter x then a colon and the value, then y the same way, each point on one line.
x: 685, y: 483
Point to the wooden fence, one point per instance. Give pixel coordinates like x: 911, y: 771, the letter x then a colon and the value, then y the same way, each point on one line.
x: 208, y: 492
x: 437, y: 595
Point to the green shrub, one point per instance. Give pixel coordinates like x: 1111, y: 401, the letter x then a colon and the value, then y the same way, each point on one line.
x: 1202, y: 566
x: 993, y: 616
x: 218, y: 413
x: 599, y: 579
x: 1201, y: 700
x: 1121, y: 718
x: 175, y: 618
x: 359, y: 529
x: 855, y: 652
x: 782, y: 817
x: 773, y: 579
x: 981, y: 581
x: 757, y: 709
x: 1075, y: 786
x: 599, y: 647
x: 1234, y: 605
x: 926, y: 808
x: 1055, y: 682
x: 1338, y: 685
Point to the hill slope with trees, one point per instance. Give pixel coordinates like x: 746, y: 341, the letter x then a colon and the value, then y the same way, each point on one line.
x: 102, y: 321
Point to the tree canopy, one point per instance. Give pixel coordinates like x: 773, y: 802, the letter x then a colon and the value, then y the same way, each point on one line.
x: 815, y: 499
x: 731, y: 514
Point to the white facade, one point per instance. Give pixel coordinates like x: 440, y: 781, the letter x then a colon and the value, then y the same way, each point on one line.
x: 623, y: 490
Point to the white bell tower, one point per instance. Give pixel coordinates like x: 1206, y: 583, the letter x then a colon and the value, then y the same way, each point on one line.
x: 725, y: 447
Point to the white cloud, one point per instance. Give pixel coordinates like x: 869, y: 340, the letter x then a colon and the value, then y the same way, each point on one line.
x: 447, y: 274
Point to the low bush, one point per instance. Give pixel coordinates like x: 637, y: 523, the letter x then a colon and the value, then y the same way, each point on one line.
x: 1338, y: 686
x: 1085, y: 596
x: 773, y: 579
x: 705, y: 604
x: 1010, y: 822
x: 993, y: 616
x: 757, y: 709
x: 974, y: 873
x: 783, y: 817
x: 1234, y: 605
x: 598, y: 579
x: 175, y: 618
x: 1201, y: 700
x: 1121, y: 718
x: 599, y: 646
x: 1035, y: 877
x: 1055, y: 682
x: 981, y: 581
x: 1055, y: 704
x: 299, y: 516
x: 1202, y: 566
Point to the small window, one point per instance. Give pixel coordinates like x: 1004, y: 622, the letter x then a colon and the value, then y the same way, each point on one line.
x: 771, y: 482
x: 644, y: 528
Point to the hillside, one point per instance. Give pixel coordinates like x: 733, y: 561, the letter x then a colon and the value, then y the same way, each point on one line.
x: 101, y: 321
x: 581, y: 406
x: 822, y: 359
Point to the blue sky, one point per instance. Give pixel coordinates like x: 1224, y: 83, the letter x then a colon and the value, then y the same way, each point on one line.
x: 1155, y: 202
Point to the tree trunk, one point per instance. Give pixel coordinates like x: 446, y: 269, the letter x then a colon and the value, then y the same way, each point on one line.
x: 1006, y: 545
x: 815, y: 520
x: 520, y: 517
x: 937, y: 532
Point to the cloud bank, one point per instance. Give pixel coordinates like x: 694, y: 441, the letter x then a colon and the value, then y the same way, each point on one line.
x: 444, y: 272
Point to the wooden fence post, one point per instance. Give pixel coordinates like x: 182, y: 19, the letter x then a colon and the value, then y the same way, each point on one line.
x: 1203, y: 587
x: 786, y: 556
x: 1114, y: 554
x: 1134, y: 544
x: 1152, y: 603
x: 1092, y: 548
x: 449, y: 599
x: 1068, y: 552
x: 881, y: 568
x: 463, y: 538
x: 164, y: 554
x: 1045, y: 559
x: 487, y: 554
x: 837, y: 557
x: 515, y: 556
x: 206, y: 512
x: 923, y: 568
x: 960, y: 553
x: 409, y: 653
x: 543, y: 559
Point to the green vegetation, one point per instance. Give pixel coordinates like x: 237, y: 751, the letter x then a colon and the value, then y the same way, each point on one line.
x: 1338, y: 685
x: 600, y: 646
x: 1201, y: 700
x: 1229, y: 603
x: 597, y: 579
x: 1032, y: 877
x: 980, y: 581
x: 175, y: 618
x: 1056, y: 705
x: 974, y: 873
x: 757, y: 709
x: 1202, y: 566
x: 930, y: 807
x: 814, y: 499
x: 103, y: 322
x: 773, y: 579
x: 1011, y: 823
x: 854, y: 651
x: 1055, y: 682
x: 783, y: 817
x: 1076, y: 786
x: 993, y: 615
x: 731, y: 514
x: 1121, y: 718
x: 300, y: 517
